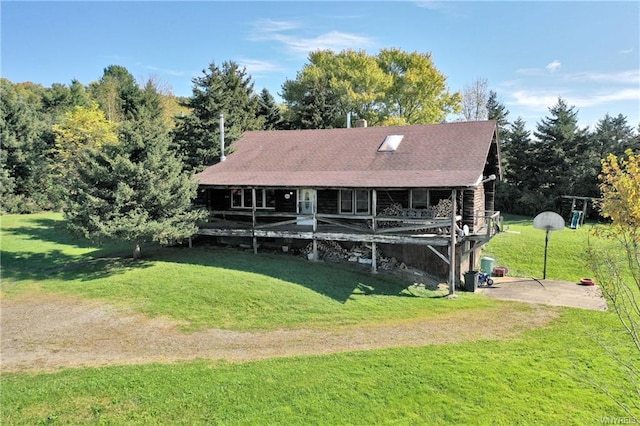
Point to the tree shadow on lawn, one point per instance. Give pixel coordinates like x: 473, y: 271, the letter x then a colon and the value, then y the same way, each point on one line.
x: 55, y: 263
x: 18, y: 266
x: 57, y: 232
x: 337, y: 281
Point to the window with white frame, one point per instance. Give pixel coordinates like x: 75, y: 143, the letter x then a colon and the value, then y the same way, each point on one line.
x: 242, y: 199
x: 354, y: 201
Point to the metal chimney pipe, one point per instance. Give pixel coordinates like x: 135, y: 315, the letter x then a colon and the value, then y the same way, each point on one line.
x: 222, y: 156
x: 349, y: 120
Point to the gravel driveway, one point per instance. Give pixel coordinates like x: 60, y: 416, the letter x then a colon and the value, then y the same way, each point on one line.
x: 48, y: 331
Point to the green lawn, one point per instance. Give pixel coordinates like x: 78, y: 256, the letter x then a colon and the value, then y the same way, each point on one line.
x: 553, y: 375
x: 521, y: 248
x: 205, y: 287
x: 549, y: 376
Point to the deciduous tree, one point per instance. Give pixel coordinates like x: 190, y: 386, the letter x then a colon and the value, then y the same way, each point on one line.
x: 474, y: 100
x: 619, y: 277
x: 391, y: 87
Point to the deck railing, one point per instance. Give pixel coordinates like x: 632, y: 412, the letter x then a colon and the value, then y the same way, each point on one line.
x: 411, y: 223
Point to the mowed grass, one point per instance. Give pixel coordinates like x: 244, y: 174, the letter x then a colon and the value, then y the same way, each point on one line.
x: 554, y: 375
x: 521, y: 249
x: 206, y: 287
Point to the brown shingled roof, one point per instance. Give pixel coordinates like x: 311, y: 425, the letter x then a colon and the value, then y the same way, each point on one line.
x: 434, y: 155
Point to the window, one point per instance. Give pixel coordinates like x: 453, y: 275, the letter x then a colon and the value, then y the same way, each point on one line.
x: 424, y: 198
x: 241, y: 199
x: 346, y: 201
x: 419, y: 199
x: 354, y: 201
x: 362, y: 201
x: 390, y: 143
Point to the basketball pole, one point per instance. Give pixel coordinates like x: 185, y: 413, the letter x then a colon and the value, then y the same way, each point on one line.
x: 546, y: 245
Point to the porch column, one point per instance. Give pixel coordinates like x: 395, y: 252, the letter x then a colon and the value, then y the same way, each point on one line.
x: 452, y: 245
x: 253, y: 219
x: 315, y: 224
x: 374, y: 254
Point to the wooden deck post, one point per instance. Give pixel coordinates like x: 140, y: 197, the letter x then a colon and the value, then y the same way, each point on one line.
x: 452, y: 245
x: 253, y: 220
x: 374, y: 254
x: 374, y: 258
x: 315, y: 225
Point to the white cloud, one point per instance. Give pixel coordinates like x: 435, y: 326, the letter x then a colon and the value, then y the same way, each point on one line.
x: 167, y: 71
x: 626, y: 51
x: 273, y: 26
x: 540, y: 100
x: 281, y: 32
x: 605, y: 98
x: 621, y: 77
x: 255, y: 66
x: 553, y: 66
x: 533, y: 99
x: 334, y: 40
x: 431, y: 5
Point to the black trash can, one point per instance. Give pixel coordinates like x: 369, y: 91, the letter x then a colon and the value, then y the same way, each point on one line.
x: 471, y: 281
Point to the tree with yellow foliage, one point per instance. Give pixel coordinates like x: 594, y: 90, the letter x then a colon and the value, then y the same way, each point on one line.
x: 82, y: 128
x: 619, y: 276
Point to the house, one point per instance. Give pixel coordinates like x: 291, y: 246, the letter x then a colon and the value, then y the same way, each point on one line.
x: 424, y: 191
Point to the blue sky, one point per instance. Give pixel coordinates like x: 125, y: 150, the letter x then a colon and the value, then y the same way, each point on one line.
x: 530, y: 52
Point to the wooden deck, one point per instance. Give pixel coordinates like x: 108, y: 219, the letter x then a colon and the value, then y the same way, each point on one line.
x: 390, y: 230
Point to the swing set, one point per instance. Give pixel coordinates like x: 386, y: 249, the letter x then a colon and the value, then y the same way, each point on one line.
x: 578, y: 216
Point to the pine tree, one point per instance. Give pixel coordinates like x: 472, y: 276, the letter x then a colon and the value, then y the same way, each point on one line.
x: 227, y: 90
x: 269, y: 111
x: 514, y: 193
x: 497, y: 111
x: 135, y: 190
x: 612, y: 135
x: 558, y: 154
x: 23, y: 158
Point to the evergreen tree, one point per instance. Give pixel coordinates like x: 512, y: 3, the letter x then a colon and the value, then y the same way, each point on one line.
x: 497, y: 111
x: 227, y: 90
x: 135, y: 190
x: 269, y: 111
x: 517, y: 148
x: 23, y: 157
x: 558, y: 155
x: 117, y: 93
x: 316, y: 108
x: 518, y: 192
x: 612, y: 135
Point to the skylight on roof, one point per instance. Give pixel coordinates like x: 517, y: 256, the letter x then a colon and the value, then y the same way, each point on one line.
x: 390, y: 143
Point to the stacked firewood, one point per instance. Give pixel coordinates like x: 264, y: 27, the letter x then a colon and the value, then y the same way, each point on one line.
x: 443, y: 208
x: 394, y: 210
x: 332, y: 251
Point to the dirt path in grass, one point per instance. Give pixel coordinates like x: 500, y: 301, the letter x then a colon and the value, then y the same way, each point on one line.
x: 46, y: 332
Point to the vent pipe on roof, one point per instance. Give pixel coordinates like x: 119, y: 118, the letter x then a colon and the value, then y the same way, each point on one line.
x: 348, y: 120
x: 222, y: 156
x: 361, y: 123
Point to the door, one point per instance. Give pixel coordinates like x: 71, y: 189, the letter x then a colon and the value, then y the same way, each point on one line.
x: 306, y: 205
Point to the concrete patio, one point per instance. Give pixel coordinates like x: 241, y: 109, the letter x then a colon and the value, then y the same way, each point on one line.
x: 556, y: 293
